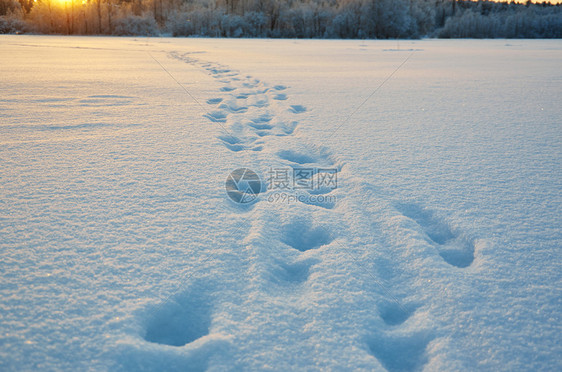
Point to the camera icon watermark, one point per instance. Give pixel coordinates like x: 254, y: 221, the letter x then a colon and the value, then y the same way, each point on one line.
x: 285, y: 185
x: 243, y: 186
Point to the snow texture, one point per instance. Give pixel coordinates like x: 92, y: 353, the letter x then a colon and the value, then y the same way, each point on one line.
x: 439, y: 249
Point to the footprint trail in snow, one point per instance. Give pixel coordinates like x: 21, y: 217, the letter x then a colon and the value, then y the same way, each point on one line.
x: 296, y: 253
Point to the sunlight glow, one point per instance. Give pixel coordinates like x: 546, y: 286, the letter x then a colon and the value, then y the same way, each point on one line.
x: 63, y: 3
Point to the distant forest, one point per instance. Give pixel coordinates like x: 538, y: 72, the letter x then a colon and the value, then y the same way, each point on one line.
x: 339, y: 19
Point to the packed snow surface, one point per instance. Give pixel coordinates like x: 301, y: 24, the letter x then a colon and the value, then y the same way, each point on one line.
x: 123, y: 246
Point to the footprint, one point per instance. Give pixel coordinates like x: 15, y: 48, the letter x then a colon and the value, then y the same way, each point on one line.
x: 216, y: 71
x: 216, y: 116
x: 303, y: 237
x: 249, y: 85
x: 232, y: 143
x: 263, y: 133
x: 233, y: 109
x: 291, y: 273
x: 260, y: 126
x: 214, y: 101
x: 297, y: 109
x: 454, y: 249
x: 289, y: 128
x: 261, y: 103
x: 233, y: 147
x: 182, y: 319
x: 227, y: 89
x: 264, y: 118
x: 400, y: 352
x: 280, y: 97
x: 279, y: 87
x: 393, y: 313
x: 295, y: 157
x: 230, y: 139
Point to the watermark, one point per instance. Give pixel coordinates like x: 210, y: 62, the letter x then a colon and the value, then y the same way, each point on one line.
x: 292, y: 179
x: 285, y: 185
x: 288, y: 198
x: 243, y: 185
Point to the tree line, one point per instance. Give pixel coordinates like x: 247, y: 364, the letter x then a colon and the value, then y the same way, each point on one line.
x: 340, y: 19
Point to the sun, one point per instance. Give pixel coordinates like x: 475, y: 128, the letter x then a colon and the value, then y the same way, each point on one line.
x: 64, y: 3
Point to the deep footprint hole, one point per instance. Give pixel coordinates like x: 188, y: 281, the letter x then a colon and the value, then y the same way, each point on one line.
x: 394, y: 313
x: 297, y: 109
x: 180, y: 321
x: 303, y: 237
x: 232, y: 108
x: 435, y: 230
x: 261, y: 126
x: 263, y: 133
x: 262, y: 119
x: 216, y: 116
x: 454, y: 249
x: 296, y: 157
x: 230, y: 139
x: 401, y: 353
x: 214, y: 101
x: 234, y: 148
x: 459, y: 254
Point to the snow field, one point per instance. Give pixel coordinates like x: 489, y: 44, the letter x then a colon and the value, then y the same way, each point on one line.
x: 438, y: 250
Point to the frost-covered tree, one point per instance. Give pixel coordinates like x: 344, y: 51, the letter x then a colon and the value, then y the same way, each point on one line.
x: 285, y: 18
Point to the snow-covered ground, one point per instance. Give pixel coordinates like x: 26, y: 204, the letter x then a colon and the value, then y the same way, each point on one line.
x: 437, y: 249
